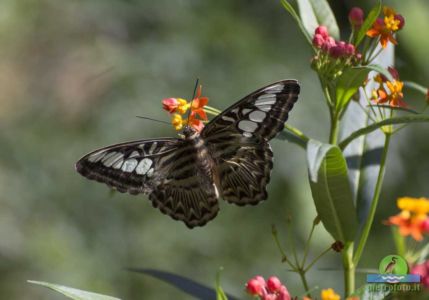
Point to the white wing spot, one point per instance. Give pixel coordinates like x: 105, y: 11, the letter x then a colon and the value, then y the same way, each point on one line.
x: 248, y: 126
x: 96, y: 156
x: 275, y: 88
x: 265, y: 108
x: 246, y: 111
x: 129, y: 165
x: 257, y: 116
x: 226, y: 118
x: 118, y: 164
x: 143, y: 166
x: 150, y: 173
x: 134, y: 154
x: 247, y: 134
x: 112, y: 159
x: 108, y: 156
x: 265, y: 101
x: 152, y: 147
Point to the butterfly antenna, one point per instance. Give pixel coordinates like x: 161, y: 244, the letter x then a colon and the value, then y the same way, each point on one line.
x: 147, y: 118
x: 193, y: 97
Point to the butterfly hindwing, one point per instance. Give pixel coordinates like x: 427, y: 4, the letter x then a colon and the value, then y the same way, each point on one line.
x: 163, y: 168
x: 238, y: 140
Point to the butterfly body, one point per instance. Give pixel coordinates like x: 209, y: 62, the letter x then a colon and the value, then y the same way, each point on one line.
x: 184, y: 177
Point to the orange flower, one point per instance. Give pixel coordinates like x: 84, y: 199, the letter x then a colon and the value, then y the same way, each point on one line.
x: 386, y: 27
x: 179, y: 106
x: 198, y: 105
x: 393, y: 94
x: 413, y: 218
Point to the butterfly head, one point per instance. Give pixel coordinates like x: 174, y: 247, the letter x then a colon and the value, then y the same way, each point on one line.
x: 189, y: 132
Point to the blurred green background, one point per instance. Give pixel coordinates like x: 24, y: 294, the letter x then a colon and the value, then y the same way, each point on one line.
x: 73, y: 75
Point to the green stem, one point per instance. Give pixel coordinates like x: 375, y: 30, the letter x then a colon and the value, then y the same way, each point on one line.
x: 370, y: 219
x: 297, y: 132
x: 307, y: 245
x: 349, y: 269
x: 316, y: 259
x: 301, y: 273
x: 333, y: 135
x: 282, y: 252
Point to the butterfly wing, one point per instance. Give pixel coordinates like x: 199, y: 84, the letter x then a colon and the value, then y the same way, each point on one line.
x: 163, y: 168
x: 238, y: 140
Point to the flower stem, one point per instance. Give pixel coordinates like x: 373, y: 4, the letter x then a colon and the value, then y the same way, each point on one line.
x: 349, y: 269
x: 301, y: 273
x: 370, y: 219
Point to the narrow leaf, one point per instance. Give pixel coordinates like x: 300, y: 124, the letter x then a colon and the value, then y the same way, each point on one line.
x: 307, y: 15
x: 73, y: 293
x: 298, y: 21
x: 372, y: 16
x: 331, y: 190
x: 182, y: 283
x: 415, y: 86
x: 375, y: 126
x: 220, y: 294
x: 326, y: 17
x: 363, y: 155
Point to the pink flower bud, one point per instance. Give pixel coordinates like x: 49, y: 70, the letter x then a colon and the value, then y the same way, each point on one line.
x: 269, y: 297
x: 393, y: 72
x: 323, y: 31
x: 283, y: 294
x: 273, y: 284
x: 356, y: 17
x: 328, y: 44
x: 358, y: 56
x: 254, y: 287
x: 336, y: 51
x: 401, y: 20
x: 318, y: 40
x: 170, y: 104
x: 350, y: 49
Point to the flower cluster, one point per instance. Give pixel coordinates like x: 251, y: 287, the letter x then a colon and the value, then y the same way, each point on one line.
x: 423, y: 271
x: 331, y: 55
x: 272, y: 289
x: 178, y: 107
x: 384, y: 28
x: 389, y: 92
x: 413, y: 219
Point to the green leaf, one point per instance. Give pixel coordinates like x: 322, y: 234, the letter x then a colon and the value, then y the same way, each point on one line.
x: 298, y: 21
x: 373, y: 291
x: 182, y: 283
x: 415, y: 86
x: 351, y: 80
x: 363, y: 158
x: 331, y: 190
x: 307, y: 15
x: 375, y: 126
x: 73, y: 293
x: 348, y: 84
x: 220, y: 294
x: 372, y: 16
x: 326, y: 17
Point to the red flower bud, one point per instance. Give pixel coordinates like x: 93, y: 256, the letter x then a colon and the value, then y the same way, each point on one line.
x: 393, y: 72
x: 318, y: 40
x: 425, y: 225
x: 273, y: 284
x: 328, y: 44
x: 356, y: 17
x: 336, y: 51
x: 170, y: 104
x: 323, y: 31
x: 350, y: 49
x: 283, y: 294
x: 255, y: 287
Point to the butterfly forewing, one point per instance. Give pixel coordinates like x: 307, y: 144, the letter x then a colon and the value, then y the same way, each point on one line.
x: 238, y: 140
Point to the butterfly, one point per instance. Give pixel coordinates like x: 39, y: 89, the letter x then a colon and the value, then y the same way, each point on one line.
x: 184, y: 177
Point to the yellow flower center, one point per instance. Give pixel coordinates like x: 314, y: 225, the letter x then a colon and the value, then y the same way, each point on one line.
x: 391, y: 23
x: 329, y: 294
x: 417, y: 206
x: 183, y: 106
x: 177, y: 121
